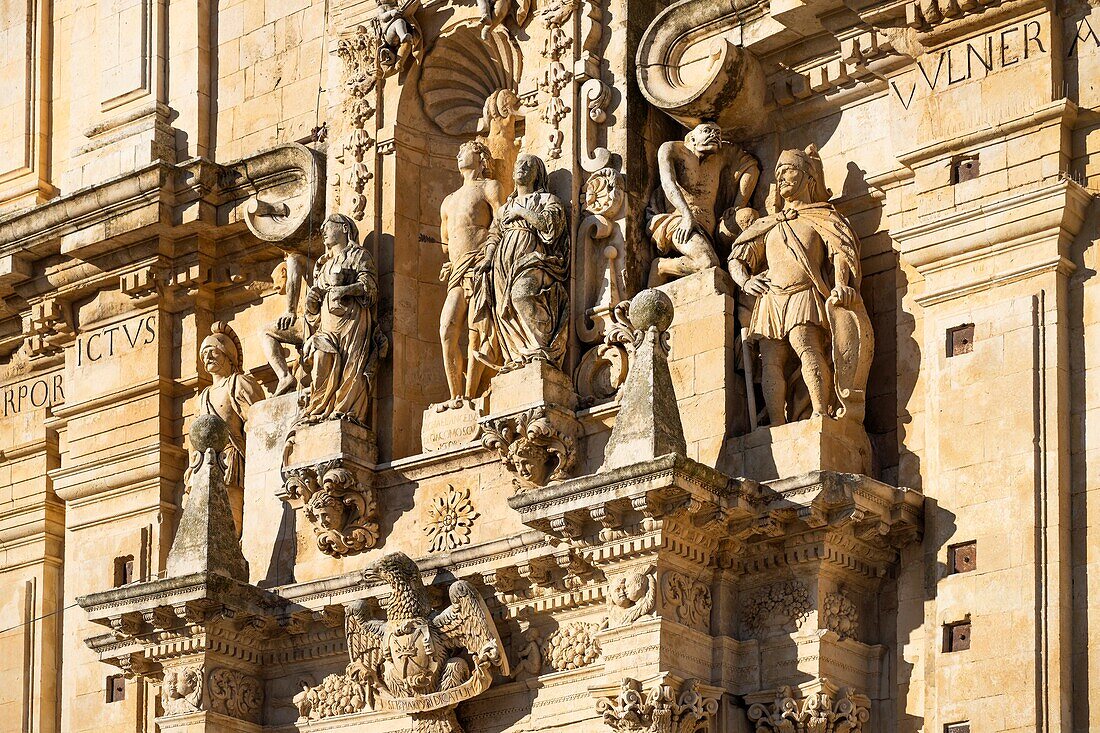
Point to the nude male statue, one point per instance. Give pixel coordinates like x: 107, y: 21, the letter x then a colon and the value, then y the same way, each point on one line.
x: 465, y: 217
x: 707, y: 186
x: 287, y: 330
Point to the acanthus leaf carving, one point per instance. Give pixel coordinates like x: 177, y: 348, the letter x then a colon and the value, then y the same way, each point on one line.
x: 685, y: 600
x: 660, y: 706
x: 827, y: 709
x: 234, y: 693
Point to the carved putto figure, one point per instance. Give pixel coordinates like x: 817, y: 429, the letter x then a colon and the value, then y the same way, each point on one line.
x: 229, y: 396
x: 522, y: 296
x: 704, y: 196
x: 419, y: 664
x: 345, y: 343
x: 398, y: 33
x: 802, y: 265
x: 465, y: 217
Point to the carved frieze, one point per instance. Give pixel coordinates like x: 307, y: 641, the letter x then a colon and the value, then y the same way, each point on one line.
x: 181, y: 689
x: 340, y: 507
x: 572, y: 646
x: 234, y: 693
x: 685, y: 600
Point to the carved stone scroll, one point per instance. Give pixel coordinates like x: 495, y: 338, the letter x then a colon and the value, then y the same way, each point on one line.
x: 342, y: 511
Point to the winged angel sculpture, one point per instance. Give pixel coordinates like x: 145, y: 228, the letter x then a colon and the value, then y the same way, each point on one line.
x: 419, y: 663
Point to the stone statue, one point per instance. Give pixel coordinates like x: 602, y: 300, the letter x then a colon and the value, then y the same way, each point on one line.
x: 522, y: 294
x: 465, y: 217
x: 704, y: 196
x: 802, y: 265
x: 287, y: 330
x: 345, y: 343
x: 399, y: 36
x: 229, y: 396
x: 416, y: 662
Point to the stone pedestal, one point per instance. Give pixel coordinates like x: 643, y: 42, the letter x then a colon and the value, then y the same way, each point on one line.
x: 328, y: 478
x: 269, y: 528
x: 452, y: 427
x: 536, y: 383
x: 532, y: 426
x: 703, y: 360
x: 816, y: 444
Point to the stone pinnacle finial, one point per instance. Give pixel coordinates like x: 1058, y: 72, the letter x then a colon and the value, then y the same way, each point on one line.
x: 206, y: 539
x: 648, y: 425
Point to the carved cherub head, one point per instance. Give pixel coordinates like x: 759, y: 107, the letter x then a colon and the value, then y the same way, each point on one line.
x: 221, y: 351
x: 473, y: 155
x: 704, y: 139
x: 330, y: 511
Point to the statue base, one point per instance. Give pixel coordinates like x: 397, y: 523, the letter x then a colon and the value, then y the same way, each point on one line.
x: 536, y: 383
x: 816, y: 444
x: 328, y: 440
x: 452, y: 427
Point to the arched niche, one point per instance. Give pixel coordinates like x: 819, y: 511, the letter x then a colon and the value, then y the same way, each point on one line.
x: 441, y: 105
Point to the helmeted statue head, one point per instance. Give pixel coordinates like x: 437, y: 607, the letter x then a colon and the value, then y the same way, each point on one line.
x: 221, y: 350
x: 810, y: 185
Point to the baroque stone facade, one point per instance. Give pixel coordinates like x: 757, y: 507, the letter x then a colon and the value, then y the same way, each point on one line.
x: 520, y: 365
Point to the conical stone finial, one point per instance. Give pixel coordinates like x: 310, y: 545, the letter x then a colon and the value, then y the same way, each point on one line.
x: 206, y: 539
x: 648, y: 425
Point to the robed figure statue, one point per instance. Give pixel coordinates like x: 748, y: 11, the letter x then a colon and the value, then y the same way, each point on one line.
x: 345, y: 343
x: 522, y: 294
x: 803, y: 266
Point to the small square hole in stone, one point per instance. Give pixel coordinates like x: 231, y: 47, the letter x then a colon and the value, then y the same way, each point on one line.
x: 964, y: 168
x: 116, y: 688
x: 963, y: 727
x: 956, y: 637
x: 960, y: 340
x: 963, y: 557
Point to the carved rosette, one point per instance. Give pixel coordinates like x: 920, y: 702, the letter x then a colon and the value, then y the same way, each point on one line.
x: 342, y: 511
x: 826, y: 709
x: 663, y: 705
x: 538, y: 445
x: 450, y: 518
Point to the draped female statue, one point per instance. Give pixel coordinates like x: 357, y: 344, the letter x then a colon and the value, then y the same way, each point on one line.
x: 345, y: 343
x: 522, y: 295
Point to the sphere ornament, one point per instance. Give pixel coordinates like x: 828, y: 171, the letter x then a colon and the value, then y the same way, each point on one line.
x: 209, y: 431
x: 651, y: 308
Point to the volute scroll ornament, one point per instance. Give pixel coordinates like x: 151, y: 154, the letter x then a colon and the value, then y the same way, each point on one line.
x: 342, y: 511
x: 658, y: 705
x: 826, y: 709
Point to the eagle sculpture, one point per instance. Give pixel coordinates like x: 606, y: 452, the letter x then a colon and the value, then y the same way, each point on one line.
x: 417, y: 662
